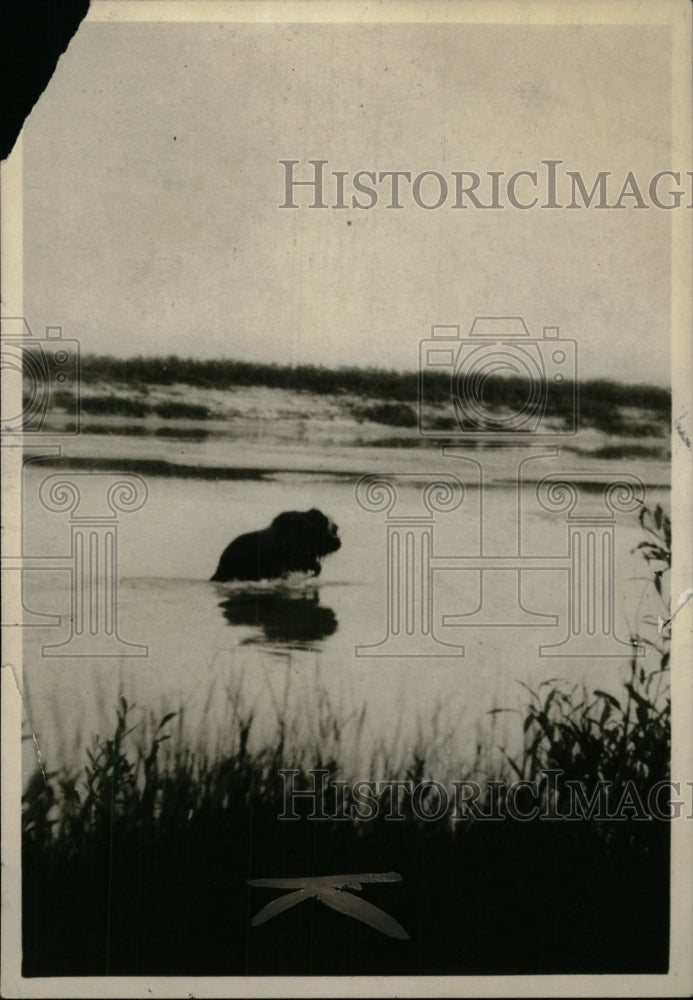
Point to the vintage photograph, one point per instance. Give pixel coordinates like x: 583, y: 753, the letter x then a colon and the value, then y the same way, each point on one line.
x: 346, y: 464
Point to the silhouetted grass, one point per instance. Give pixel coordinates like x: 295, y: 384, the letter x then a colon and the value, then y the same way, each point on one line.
x: 593, y: 737
x: 139, y: 865
x: 143, y: 871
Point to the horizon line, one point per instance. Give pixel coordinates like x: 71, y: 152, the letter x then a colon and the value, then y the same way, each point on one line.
x: 354, y: 367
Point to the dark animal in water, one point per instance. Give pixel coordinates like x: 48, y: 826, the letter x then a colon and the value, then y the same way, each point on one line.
x: 295, y: 541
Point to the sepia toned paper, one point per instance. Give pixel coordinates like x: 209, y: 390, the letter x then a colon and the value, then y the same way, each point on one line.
x: 243, y: 243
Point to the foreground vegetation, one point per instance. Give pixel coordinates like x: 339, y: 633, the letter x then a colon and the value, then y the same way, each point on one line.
x: 139, y: 865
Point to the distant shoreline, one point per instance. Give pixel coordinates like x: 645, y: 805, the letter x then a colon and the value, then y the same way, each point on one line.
x: 307, y: 405
x: 379, y: 383
x: 231, y: 420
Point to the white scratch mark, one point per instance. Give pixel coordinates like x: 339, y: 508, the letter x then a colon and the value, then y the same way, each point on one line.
x: 683, y: 599
x: 34, y: 737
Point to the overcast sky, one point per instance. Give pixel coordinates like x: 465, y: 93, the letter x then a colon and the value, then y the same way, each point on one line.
x: 153, y: 184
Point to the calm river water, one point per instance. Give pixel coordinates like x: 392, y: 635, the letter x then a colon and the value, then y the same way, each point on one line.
x: 287, y: 653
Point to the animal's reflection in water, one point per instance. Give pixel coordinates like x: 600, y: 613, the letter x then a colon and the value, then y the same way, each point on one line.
x: 297, y: 620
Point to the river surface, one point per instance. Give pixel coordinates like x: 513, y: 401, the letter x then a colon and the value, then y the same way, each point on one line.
x: 301, y: 653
